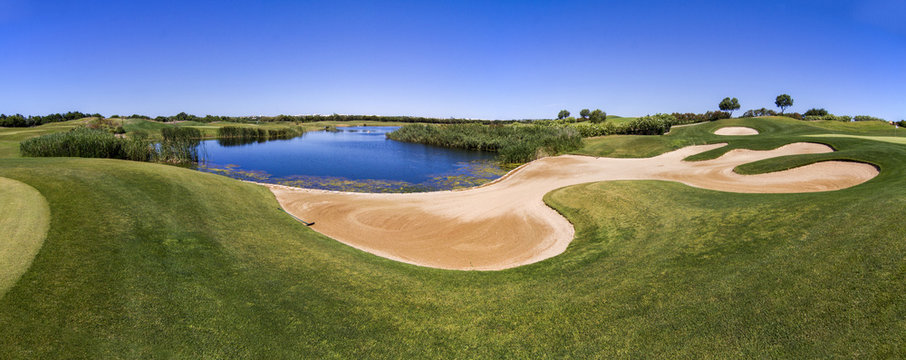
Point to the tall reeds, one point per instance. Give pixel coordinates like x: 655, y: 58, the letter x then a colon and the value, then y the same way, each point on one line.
x: 180, y: 145
x: 513, y: 143
x: 257, y: 133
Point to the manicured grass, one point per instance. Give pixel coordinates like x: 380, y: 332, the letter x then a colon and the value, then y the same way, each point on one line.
x: 890, y: 139
x: 24, y: 219
x: 10, y: 137
x: 148, y: 260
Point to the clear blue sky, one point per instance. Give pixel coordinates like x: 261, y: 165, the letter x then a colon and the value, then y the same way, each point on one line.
x: 479, y: 59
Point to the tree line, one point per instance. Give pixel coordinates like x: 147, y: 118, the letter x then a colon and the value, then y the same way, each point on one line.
x: 19, y: 120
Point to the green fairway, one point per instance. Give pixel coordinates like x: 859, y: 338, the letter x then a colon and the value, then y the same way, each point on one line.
x: 154, y: 261
x: 24, y: 219
x: 890, y: 139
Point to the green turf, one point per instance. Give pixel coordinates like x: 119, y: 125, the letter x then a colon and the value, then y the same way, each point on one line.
x: 890, y: 139
x: 148, y: 260
x: 24, y: 219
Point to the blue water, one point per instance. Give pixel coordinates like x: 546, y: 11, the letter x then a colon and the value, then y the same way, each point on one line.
x: 353, y: 153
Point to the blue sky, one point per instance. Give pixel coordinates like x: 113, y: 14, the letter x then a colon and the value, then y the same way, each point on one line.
x: 478, y: 59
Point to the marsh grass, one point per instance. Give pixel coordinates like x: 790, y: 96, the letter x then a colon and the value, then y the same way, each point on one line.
x: 179, y: 145
x: 259, y: 133
x: 513, y: 143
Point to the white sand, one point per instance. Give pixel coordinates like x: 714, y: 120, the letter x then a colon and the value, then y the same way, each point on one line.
x: 736, y: 131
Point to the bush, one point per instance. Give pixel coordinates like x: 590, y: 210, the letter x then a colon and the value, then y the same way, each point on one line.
x: 902, y: 123
x: 691, y: 118
x: 794, y: 115
x: 657, y: 124
x: 759, y: 112
x: 815, y: 112
x: 867, y: 118
x: 829, y: 117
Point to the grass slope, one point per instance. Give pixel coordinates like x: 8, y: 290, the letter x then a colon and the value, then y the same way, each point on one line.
x: 24, y: 219
x: 147, y: 260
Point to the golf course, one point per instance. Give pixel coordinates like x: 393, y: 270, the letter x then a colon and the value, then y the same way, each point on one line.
x: 763, y: 237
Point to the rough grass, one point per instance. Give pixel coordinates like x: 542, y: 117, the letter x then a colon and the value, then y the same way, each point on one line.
x: 147, y: 260
x: 24, y: 219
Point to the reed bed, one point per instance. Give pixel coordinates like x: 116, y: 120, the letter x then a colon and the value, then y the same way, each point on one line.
x: 179, y: 146
x: 88, y: 143
x: 514, y: 144
x: 257, y: 133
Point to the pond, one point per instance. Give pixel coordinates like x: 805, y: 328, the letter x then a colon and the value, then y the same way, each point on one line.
x: 350, y: 159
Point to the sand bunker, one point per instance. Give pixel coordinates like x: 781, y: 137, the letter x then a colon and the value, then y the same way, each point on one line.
x: 506, y: 224
x: 736, y: 131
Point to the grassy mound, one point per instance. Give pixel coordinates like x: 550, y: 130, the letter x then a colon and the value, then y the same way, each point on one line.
x: 148, y: 260
x: 24, y: 219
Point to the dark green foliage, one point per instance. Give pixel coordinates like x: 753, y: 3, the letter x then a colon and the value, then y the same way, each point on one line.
x: 759, y: 112
x: 728, y: 104
x: 584, y: 113
x: 648, y: 125
x: 562, y: 114
x: 691, y: 118
x: 901, y: 123
x: 657, y: 124
x: 597, y: 116
x: 815, y: 112
x: 514, y: 144
x: 18, y: 120
x: 867, y: 118
x: 828, y: 117
x: 783, y: 101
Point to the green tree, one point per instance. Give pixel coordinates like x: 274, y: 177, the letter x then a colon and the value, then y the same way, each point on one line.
x: 562, y: 114
x: 584, y: 113
x: 598, y: 116
x: 728, y: 104
x: 783, y: 101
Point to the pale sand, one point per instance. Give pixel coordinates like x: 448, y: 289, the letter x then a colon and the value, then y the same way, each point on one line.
x: 506, y: 224
x: 736, y: 130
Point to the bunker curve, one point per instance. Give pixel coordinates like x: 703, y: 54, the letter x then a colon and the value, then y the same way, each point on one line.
x: 735, y: 131
x: 506, y: 224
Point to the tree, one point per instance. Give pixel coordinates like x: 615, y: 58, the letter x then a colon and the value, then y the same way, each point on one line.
x: 783, y: 101
x: 728, y: 104
x: 584, y: 113
x: 598, y: 116
x: 562, y: 114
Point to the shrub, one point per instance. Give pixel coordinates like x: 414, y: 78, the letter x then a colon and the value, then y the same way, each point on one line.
x: 759, y: 112
x: 794, y: 115
x: 829, y: 117
x: 690, y: 118
x: 815, y: 112
x: 657, y: 124
x: 867, y: 118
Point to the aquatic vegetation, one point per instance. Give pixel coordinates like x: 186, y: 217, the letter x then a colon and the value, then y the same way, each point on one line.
x: 259, y: 133
x: 88, y: 143
x: 513, y: 143
x: 179, y: 146
x: 468, y: 174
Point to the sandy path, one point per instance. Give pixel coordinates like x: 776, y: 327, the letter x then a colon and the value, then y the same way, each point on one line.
x: 736, y: 131
x: 506, y: 223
